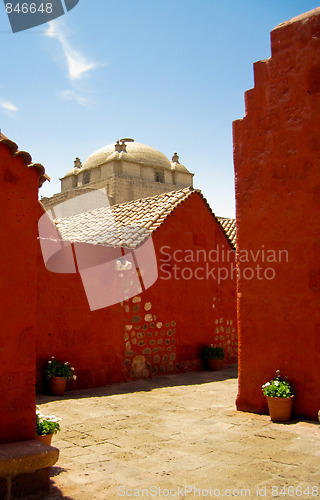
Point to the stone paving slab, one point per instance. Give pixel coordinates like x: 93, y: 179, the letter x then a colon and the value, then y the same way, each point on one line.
x: 178, y: 436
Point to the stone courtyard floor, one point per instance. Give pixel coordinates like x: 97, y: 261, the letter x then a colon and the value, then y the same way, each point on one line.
x: 177, y: 436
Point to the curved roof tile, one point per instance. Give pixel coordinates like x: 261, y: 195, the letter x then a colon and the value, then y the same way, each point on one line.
x: 131, y: 222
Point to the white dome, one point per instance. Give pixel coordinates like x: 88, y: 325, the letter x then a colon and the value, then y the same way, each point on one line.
x: 130, y: 151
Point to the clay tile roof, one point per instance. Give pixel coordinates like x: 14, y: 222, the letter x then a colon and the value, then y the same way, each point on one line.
x: 11, y: 145
x: 229, y: 226
x: 27, y: 158
x: 127, y: 224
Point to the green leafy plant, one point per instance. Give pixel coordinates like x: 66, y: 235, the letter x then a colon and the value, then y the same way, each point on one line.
x: 210, y: 352
x: 278, y: 388
x: 58, y: 369
x: 46, y: 424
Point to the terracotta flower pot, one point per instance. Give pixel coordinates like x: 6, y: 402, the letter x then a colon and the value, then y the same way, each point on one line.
x: 215, y: 364
x: 45, y: 438
x: 57, y: 386
x: 280, y: 409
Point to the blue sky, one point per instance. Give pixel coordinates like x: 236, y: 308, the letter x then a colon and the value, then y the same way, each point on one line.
x: 168, y: 73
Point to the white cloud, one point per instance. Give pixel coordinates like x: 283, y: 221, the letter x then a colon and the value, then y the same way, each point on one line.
x: 78, y: 65
x: 73, y: 95
x: 8, y: 106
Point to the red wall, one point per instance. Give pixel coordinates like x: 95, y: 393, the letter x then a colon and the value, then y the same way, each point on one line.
x: 160, y: 331
x: 277, y: 166
x: 18, y: 293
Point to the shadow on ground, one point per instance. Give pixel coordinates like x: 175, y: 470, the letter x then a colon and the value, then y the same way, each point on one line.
x: 147, y: 385
x: 54, y: 492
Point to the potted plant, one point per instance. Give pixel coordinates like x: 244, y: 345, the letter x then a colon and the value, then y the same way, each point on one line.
x: 46, y: 426
x: 58, y: 373
x: 213, y: 357
x: 280, y: 397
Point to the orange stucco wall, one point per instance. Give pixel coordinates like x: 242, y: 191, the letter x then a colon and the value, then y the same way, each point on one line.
x: 18, y: 293
x: 277, y: 166
x: 160, y: 331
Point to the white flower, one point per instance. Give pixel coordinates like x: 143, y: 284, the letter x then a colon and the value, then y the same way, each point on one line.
x: 74, y: 377
x: 266, y: 385
x: 49, y: 362
x: 276, y: 382
x: 53, y: 418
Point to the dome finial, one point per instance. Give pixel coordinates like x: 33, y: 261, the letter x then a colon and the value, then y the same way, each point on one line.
x: 77, y: 163
x: 127, y: 139
x: 175, y: 158
x: 120, y: 146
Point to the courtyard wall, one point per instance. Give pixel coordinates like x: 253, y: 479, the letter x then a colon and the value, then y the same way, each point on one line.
x: 160, y: 331
x: 277, y: 167
x: 18, y: 293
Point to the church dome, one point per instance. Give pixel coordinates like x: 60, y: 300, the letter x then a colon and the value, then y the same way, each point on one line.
x: 73, y: 171
x: 128, y: 150
x: 76, y: 169
x: 177, y: 166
